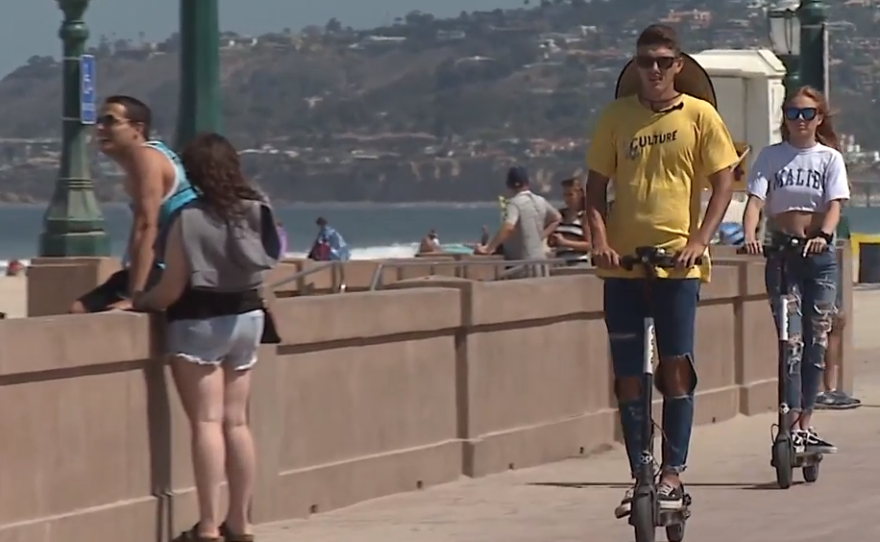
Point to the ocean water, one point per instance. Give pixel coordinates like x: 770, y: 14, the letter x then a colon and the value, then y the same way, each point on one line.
x: 374, y: 231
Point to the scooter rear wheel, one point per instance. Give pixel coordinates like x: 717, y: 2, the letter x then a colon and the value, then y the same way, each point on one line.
x: 811, y: 473
x: 642, y: 518
x: 675, y: 533
x: 783, y: 462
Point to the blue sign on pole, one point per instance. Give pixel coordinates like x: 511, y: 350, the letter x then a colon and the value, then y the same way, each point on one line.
x: 88, y: 98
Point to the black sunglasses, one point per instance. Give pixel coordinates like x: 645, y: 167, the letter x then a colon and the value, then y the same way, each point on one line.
x: 108, y: 121
x: 795, y: 113
x: 662, y: 62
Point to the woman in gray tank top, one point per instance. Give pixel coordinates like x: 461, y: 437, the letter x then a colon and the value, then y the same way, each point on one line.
x: 217, y: 251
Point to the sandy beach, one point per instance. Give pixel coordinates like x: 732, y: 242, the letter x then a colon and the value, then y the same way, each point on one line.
x: 13, y: 296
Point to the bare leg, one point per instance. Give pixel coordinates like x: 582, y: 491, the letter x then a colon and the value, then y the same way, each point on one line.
x: 241, y: 458
x: 201, y: 392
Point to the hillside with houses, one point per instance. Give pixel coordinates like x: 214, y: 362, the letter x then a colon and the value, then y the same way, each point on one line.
x: 422, y: 108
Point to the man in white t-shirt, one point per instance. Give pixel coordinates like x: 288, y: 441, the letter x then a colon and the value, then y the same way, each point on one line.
x: 801, y: 188
x: 528, y: 220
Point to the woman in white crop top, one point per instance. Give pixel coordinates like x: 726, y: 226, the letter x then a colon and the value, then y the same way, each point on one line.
x: 801, y: 185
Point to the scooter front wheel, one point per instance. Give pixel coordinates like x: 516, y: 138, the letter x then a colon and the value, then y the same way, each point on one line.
x: 783, y: 462
x: 642, y: 518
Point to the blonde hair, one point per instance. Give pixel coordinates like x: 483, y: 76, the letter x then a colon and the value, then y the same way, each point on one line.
x: 825, y: 133
x: 576, y: 184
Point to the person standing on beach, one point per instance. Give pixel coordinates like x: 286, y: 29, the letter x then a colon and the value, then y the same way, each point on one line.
x: 157, y: 185
x: 329, y: 244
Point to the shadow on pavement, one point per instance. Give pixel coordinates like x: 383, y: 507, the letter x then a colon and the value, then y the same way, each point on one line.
x: 764, y: 486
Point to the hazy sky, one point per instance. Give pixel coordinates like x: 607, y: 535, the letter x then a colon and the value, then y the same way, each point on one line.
x: 31, y: 27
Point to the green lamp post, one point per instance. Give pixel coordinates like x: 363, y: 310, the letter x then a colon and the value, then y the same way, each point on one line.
x: 785, y: 39
x: 813, y: 16
x: 199, y: 104
x: 73, y: 224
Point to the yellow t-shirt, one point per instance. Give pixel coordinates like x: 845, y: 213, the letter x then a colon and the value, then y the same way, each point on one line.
x: 656, y: 162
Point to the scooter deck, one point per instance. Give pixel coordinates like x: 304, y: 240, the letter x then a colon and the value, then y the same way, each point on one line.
x: 804, y: 459
x: 807, y: 459
x: 673, y: 517
x: 665, y: 518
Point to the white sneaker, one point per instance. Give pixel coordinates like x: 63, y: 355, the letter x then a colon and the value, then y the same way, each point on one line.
x: 798, y: 440
x: 625, y: 506
x: 814, y: 443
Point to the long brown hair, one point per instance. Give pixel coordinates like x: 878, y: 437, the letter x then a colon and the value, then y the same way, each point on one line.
x: 825, y: 133
x: 213, y: 167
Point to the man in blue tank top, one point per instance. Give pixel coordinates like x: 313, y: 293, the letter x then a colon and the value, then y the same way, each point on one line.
x: 157, y: 185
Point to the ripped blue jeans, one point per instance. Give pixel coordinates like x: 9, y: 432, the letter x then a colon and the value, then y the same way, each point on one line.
x: 673, y: 305
x: 812, y: 298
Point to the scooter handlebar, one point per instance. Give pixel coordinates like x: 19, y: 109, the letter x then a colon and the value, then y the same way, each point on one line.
x: 794, y: 245
x: 666, y: 261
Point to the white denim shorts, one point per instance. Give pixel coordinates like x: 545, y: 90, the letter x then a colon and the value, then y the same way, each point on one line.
x: 232, y: 340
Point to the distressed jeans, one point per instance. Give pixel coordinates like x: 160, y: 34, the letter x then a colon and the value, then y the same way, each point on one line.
x: 673, y: 305
x: 811, y: 294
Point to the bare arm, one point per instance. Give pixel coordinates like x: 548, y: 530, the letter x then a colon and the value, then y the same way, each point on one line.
x: 587, y: 242
x: 832, y: 217
x: 722, y: 191
x: 837, y: 191
x: 503, y: 233
x: 511, y: 217
x: 596, y: 208
x: 751, y: 217
x: 174, y: 279
x: 147, y: 188
x: 552, y: 219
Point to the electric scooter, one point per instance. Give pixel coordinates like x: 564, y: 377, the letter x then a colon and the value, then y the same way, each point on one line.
x: 784, y: 455
x: 645, y: 513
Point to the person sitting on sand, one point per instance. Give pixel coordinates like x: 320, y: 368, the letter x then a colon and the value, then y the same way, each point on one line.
x: 430, y: 243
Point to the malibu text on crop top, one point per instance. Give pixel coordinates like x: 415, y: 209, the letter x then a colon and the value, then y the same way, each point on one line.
x: 792, y: 179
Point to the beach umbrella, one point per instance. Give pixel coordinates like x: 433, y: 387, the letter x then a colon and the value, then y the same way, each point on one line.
x: 693, y: 81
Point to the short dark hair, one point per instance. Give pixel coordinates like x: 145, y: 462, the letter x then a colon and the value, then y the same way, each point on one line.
x: 136, y: 111
x: 321, y: 221
x: 517, y: 177
x: 572, y: 182
x: 659, y: 35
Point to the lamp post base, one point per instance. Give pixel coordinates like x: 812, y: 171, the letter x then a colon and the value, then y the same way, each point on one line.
x: 73, y: 226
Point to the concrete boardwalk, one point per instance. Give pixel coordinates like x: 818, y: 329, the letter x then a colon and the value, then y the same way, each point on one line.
x: 730, y: 478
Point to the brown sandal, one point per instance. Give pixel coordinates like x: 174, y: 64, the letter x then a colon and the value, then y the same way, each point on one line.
x: 228, y: 536
x: 193, y: 535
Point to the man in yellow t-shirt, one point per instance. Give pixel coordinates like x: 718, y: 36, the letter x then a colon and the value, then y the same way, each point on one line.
x: 657, y: 147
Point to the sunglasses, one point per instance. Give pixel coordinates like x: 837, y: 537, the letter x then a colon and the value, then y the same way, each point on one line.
x: 662, y: 62
x: 108, y: 121
x: 795, y: 113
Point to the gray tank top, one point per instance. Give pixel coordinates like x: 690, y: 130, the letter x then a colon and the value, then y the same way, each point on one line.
x: 226, y: 256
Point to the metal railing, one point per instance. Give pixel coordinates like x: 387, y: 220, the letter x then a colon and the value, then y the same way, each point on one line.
x: 337, y: 280
x: 513, y: 268
x: 530, y: 268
